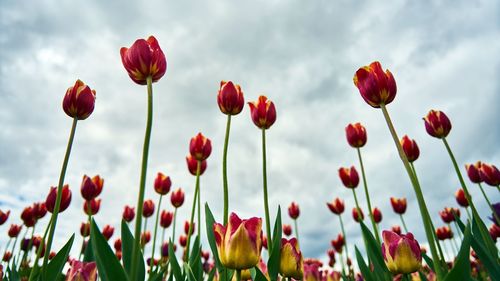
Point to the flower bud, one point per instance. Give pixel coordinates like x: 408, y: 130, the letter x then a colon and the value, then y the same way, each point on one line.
x: 349, y: 177
x: 108, y: 231
x: 145, y: 237
x: 88, y: 188
x: 398, y: 205
x: 85, y: 229
x: 410, y: 148
x: 162, y: 184
x: 437, y: 124
x: 473, y: 171
x: 143, y: 59
x: 200, y: 147
x: 166, y: 218
x: 82, y: 271
x: 14, y: 230
x: 183, y: 240
x: 177, y: 198
x: 401, y: 252
x: 28, y: 217
x: 118, y: 245
x: 448, y: 214
x: 490, y: 174
x: 263, y: 112
x: 186, y: 228
x: 291, y: 261
x: 79, y: 101
x: 294, y: 210
x: 128, y: 213
x: 336, y: 206
x: 91, y: 207
x: 193, y: 165
x: 338, y: 243
x: 4, y: 216
x: 331, y: 253
x: 357, y: 216
x: 375, y: 86
x: 7, y: 256
x: 356, y: 135
x: 461, y: 199
x: 148, y: 208
x: 444, y: 233
x: 377, y: 215
x: 50, y: 202
x: 230, y: 98
x: 287, y: 229
x: 39, y: 210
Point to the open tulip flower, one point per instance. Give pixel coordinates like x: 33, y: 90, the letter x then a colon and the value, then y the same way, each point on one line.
x: 336, y: 206
x: 144, y: 59
x: 291, y: 261
x: 349, y: 177
x: 401, y: 252
x: 263, y: 112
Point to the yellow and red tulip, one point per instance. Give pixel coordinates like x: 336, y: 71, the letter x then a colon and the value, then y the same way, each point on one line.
x: 410, y: 148
x: 177, y: 198
x: 143, y: 59
x: 401, y: 252
x: 162, y: 184
x: 336, y: 206
x: 473, y: 172
x: 263, y: 112
x: 437, y: 124
x: 192, y: 164
x: 148, y: 208
x: 356, y: 135
x: 398, y: 205
x: 312, y: 270
x: 230, y: 98
x: 85, y: 229
x: 349, y: 177
x: 200, y: 147
x: 375, y: 86
x: 50, y: 201
x: 91, y: 207
x: 79, y: 101
x: 490, y: 174
x: 291, y: 261
x: 88, y: 188
x: 461, y: 198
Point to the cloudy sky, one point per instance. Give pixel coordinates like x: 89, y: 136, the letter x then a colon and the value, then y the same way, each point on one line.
x: 301, y: 54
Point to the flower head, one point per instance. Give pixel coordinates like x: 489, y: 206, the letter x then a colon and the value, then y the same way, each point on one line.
x: 473, y: 171
x: 79, y: 101
x: 287, y: 229
x: 336, y: 206
x: 437, y: 124
x: 230, y: 98
x: 490, y: 174
x: 177, y: 197
x: 375, y: 86
x: 91, y: 207
x: 82, y: 271
x: 338, y: 243
x: 398, y: 205
x: 50, y: 202
x: 294, y: 210
x: 14, y: 230
x: 143, y: 59
x: 401, y: 252
x: 356, y: 135
x: 148, y: 208
x: 357, y: 215
x: 461, y: 198
x: 291, y: 261
x: 377, y: 215
x: 162, y: 184
x: 128, y: 213
x: 166, y: 218
x: 200, y: 147
x: 410, y: 148
x: 263, y: 112
x: 349, y: 177
x: 192, y: 165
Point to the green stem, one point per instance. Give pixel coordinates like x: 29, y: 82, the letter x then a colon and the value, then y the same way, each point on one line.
x: 489, y: 204
x: 296, y: 230
x: 342, y: 263
x: 365, y: 184
x: 224, y: 171
x: 420, y: 198
x: 266, y: 204
x: 454, y: 243
x: 145, y: 228
x: 39, y: 252
x: 22, y: 241
x: 12, y: 250
x: 469, y: 216
x: 357, y: 204
x: 173, y: 228
x: 403, y: 222
x: 193, y: 209
x: 238, y: 275
x: 345, y: 238
x: 199, y: 209
x: 458, y: 230
x: 142, y: 183
x: 89, y: 211
x: 59, y: 191
x: 154, y: 237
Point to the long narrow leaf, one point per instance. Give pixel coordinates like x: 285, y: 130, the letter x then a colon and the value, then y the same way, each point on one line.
x: 375, y: 253
x: 176, y: 269
x: 273, y: 265
x: 209, y: 223
x: 56, y: 265
x: 367, y: 274
x: 461, y: 269
x: 127, y: 248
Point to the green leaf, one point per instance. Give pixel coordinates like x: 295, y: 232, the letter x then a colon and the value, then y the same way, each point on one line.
x: 461, y: 269
x: 273, y: 264
x: 257, y: 275
x: 374, y: 252
x: 56, y: 265
x: 211, y: 275
x: 189, y: 273
x: 209, y: 223
x: 88, y: 255
x: 127, y: 249
x: 365, y: 270
x: 428, y: 261
x: 195, y: 263
x: 108, y: 266
x: 176, y: 269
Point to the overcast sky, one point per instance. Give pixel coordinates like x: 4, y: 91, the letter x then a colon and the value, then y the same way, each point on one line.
x: 301, y: 54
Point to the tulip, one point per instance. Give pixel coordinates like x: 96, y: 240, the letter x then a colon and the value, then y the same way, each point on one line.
x: 349, y: 177
x: 183, y: 240
x: 92, y: 207
x: 410, y: 148
x: 357, y: 216
x: 396, y: 229
x: 311, y: 270
x: 401, y: 252
x: 28, y: 217
x: 263, y: 112
x: 7, y: 256
x: 444, y: 233
x: 336, y: 206
x: 166, y: 218
x: 398, y: 205
x: 4, y: 216
x: 490, y: 174
x: 461, y: 198
x: 118, y: 245
x: 293, y: 210
x: 39, y: 210
x: 65, y: 199
x: 356, y: 135
x: 473, y: 171
x: 186, y: 228
x: 200, y: 147
x: 79, y: 101
x: 88, y: 189
x: 128, y: 213
x: 338, y: 243
x: 148, y: 209
x: 333, y: 276
x: 144, y: 59
x: 108, y: 231
x: 494, y: 232
x: 99, y: 184
x: 375, y: 86
x: 85, y: 229
x: 437, y: 124
x: 331, y: 253
x: 287, y: 229
x: 177, y: 198
x: 240, y: 243
x: 192, y: 165
x: 291, y: 261
x: 82, y: 271
x: 447, y: 214
x: 164, y: 250
x: 230, y: 98
x: 162, y: 184
x: 377, y: 215
x: 145, y: 237
x: 14, y: 230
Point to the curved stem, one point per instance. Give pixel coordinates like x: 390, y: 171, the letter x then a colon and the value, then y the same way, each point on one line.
x: 57, y: 206
x: 193, y: 209
x: 154, y: 237
x: 142, y: 183
x: 296, y: 230
x: 224, y: 171
x: 266, y: 204
x: 403, y: 222
x: 489, y: 204
x: 365, y: 184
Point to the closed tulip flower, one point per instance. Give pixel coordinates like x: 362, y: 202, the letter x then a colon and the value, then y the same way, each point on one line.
x: 177, y: 198
x: 162, y: 184
x: 7, y: 256
x: 377, y: 215
x: 200, y: 147
x: 82, y: 271
x: 356, y: 135
x: 240, y: 243
x: 128, y: 214
x: 490, y: 174
x: 85, y: 229
x: 79, y: 101
x: 166, y: 218
x: 473, y: 171
x: 192, y: 164
x: 294, y: 210
x: 398, y: 205
x: 331, y: 253
x: 88, y: 189
x: 143, y: 59
x: 183, y: 240
x: 401, y: 252
x: 99, y: 184
x: 28, y: 217
x: 39, y: 210
x: 461, y: 199
x: 263, y: 112
x: 437, y: 124
x: 50, y: 202
x: 108, y: 231
x: 287, y: 229
x: 148, y: 208
x: 447, y: 214
x: 349, y: 177
x: 410, y: 148
x: 186, y: 228
x: 375, y: 86
x: 338, y: 243
x: 291, y: 261
x: 14, y: 230
x: 444, y: 233
x: 494, y: 231
x: 357, y: 216
x: 92, y: 207
x: 230, y: 98
x: 118, y: 245
x: 145, y: 237
x: 336, y: 206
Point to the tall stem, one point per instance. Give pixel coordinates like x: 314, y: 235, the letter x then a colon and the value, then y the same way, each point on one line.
x: 238, y: 275
x: 345, y: 238
x: 357, y: 204
x: 142, y: 183
x: 296, y: 230
x: 193, y: 209
x: 458, y: 230
x: 403, y: 222
x: 418, y: 192
x: 199, y: 210
x: 12, y: 250
x: 365, y: 184
x: 57, y: 206
x: 39, y: 252
x: 224, y: 171
x: 154, y: 236
x: 489, y: 204
x: 266, y: 204
x: 22, y: 241
x: 173, y: 228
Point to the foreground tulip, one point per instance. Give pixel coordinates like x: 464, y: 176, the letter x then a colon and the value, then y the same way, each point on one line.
x: 401, y: 252
x: 349, y: 177
x: 437, y: 124
x: 65, y: 199
x: 291, y: 261
x: 356, y: 135
x: 200, y: 147
x: 240, y: 243
x: 128, y: 213
x: 82, y: 271
x: 144, y: 59
x: 230, y: 98
x: 490, y: 174
x: 375, y: 86
x: 192, y: 164
x: 79, y: 101
x: 162, y: 184
x: 410, y: 148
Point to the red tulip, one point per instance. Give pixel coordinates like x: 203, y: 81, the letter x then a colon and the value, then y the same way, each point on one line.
x: 79, y: 101
x: 7, y: 256
x: 287, y: 229
x: 230, y: 98
x: 166, y: 218
x: 410, y: 148
x: 99, y: 184
x: 490, y: 174
x: 145, y: 237
x: 118, y: 245
x: 14, y: 230
x: 39, y: 210
x: 148, y: 208
x: 375, y: 86
x: 398, y: 205
x: 357, y: 216
x: 4, y: 216
x: 473, y: 171
x: 349, y: 177
x: 396, y: 229
x: 294, y: 210
x: 85, y: 229
x: 143, y: 59
x: 447, y: 214
x: 461, y: 199
x: 263, y: 112
x: 28, y: 217
x: 193, y: 165
x: 338, y: 243
x: 437, y: 124
x: 88, y: 189
x: 377, y: 215
x: 162, y: 184
x: 356, y: 135
x: 444, y: 233
x: 128, y: 213
x: 177, y: 198
x: 93, y: 206
x: 186, y: 227
x: 336, y: 206
x: 183, y: 240
x: 108, y: 231
x: 50, y: 202
x: 200, y: 147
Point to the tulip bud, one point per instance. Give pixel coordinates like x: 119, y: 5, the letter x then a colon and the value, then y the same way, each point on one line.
x: 79, y: 101
x: 193, y: 165
x: 401, y: 252
x: 88, y: 189
x: 336, y: 206
x: 473, y: 171
x: 50, y: 202
x: 4, y: 216
x: 148, y: 208
x: 357, y: 216
x: 162, y: 184
x: 291, y: 261
x: 82, y: 271
x: 410, y: 148
x: 7, y: 256
x: 444, y: 233
x: 128, y: 213
x: 294, y: 210
x: 183, y: 240
x: 377, y: 215
x: 39, y: 210
x: 437, y: 124
x: 349, y: 177
x: 461, y: 199
x: 166, y: 219
x: 145, y: 237
x: 398, y: 205
x: 186, y: 228
x: 200, y: 147
x: 108, y: 231
x: 118, y: 245
x: 177, y: 198
x: 28, y: 217
x: 230, y: 98
x: 240, y: 243
x: 263, y: 112
x: 14, y: 230
x: 85, y: 229
x: 338, y: 243
x: 331, y: 253
x: 375, y: 86
x: 396, y: 229
x: 287, y: 229
x: 164, y: 250
x: 205, y: 255
x: 447, y: 214
x: 356, y: 135
x: 143, y: 59
x: 490, y: 174
x: 91, y: 207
